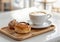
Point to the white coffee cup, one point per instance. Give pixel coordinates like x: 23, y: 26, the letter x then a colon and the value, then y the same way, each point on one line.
x: 38, y: 18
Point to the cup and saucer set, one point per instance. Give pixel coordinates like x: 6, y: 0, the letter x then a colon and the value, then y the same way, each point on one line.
x: 39, y: 20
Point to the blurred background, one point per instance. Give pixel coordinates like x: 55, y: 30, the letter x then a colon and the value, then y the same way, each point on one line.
x: 9, y: 5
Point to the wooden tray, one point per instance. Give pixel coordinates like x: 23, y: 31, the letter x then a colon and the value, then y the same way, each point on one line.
x: 12, y: 34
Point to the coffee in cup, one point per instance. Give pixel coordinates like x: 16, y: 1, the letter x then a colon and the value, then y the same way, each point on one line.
x: 38, y: 18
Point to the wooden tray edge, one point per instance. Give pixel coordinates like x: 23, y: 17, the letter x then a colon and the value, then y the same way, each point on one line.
x: 24, y: 38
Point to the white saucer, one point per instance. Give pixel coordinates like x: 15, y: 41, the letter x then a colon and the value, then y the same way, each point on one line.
x: 45, y: 24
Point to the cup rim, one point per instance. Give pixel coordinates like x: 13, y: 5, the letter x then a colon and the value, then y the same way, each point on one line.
x: 37, y: 12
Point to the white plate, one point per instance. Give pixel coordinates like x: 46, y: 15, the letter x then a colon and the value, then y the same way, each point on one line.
x: 45, y: 24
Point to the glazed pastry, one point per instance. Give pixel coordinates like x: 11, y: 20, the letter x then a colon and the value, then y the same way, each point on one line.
x: 22, y: 27
x: 25, y: 23
x: 12, y: 24
x: 19, y: 27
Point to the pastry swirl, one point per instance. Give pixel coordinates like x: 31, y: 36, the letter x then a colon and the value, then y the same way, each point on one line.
x: 19, y: 27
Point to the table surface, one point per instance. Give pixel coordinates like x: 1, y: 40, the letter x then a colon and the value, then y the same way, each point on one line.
x: 23, y: 15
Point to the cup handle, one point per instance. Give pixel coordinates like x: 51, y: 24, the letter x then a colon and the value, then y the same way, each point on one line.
x: 49, y: 16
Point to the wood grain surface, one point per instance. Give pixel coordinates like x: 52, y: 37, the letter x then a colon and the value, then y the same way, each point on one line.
x: 34, y: 32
